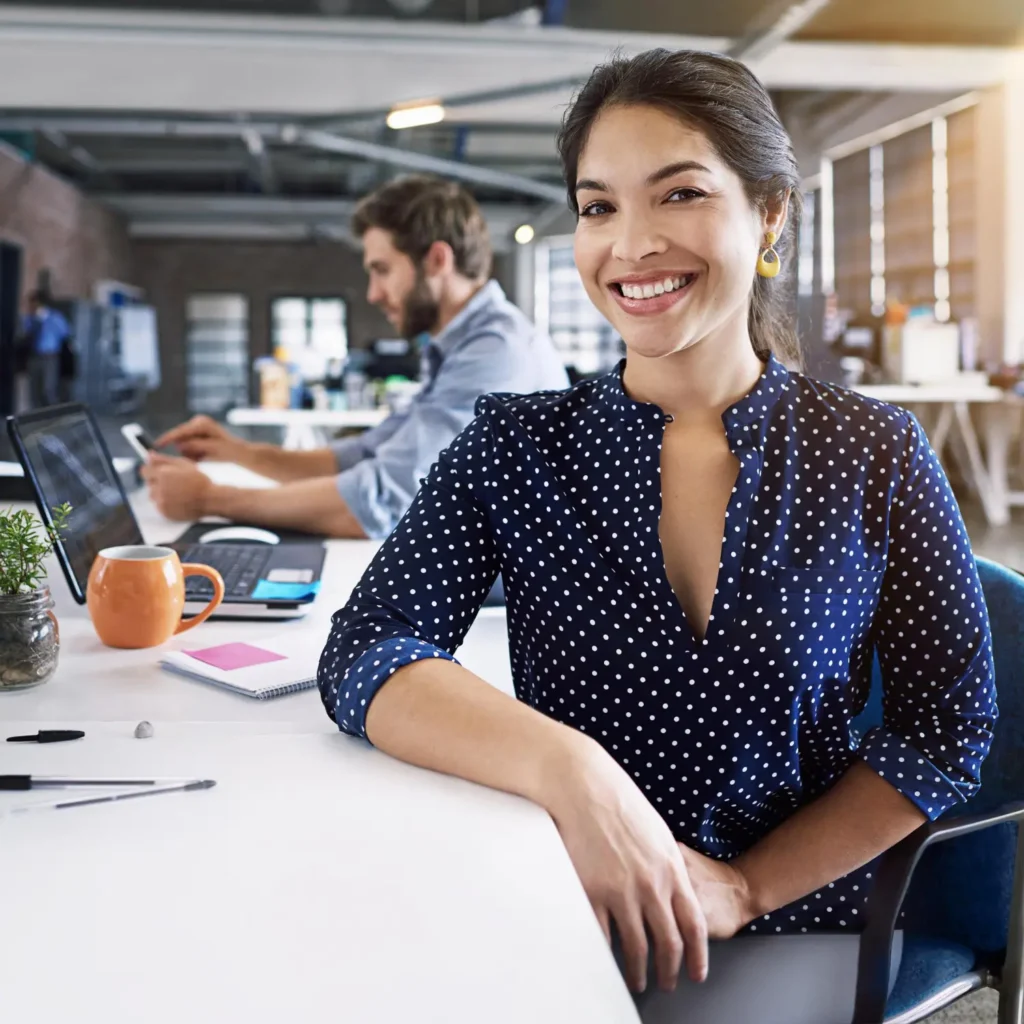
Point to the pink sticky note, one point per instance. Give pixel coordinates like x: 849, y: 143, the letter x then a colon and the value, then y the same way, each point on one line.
x: 228, y: 657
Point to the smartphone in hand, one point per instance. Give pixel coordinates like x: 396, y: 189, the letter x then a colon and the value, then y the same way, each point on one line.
x: 142, y: 444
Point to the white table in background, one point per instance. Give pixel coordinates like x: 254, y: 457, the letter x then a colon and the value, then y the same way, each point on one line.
x: 986, y: 469
x: 319, y: 881
x: 305, y: 428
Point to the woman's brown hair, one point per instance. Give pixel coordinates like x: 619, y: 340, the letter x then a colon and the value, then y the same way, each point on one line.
x: 724, y: 100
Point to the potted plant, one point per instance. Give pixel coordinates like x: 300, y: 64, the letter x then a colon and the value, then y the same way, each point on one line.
x: 29, y: 639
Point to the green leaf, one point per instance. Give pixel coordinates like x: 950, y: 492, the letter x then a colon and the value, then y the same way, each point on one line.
x: 25, y: 543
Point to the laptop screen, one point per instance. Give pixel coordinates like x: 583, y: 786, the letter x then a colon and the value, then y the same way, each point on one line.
x: 70, y: 464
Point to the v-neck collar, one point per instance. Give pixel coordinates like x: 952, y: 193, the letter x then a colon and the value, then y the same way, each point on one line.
x: 745, y: 421
x: 746, y: 425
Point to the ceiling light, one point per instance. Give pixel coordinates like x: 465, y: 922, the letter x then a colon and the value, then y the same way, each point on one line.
x: 414, y: 115
x: 524, y: 234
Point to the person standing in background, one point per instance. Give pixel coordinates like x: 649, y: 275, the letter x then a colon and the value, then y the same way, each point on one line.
x: 44, y: 333
x: 428, y: 257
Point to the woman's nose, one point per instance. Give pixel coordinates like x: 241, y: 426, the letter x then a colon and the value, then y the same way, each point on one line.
x: 638, y: 236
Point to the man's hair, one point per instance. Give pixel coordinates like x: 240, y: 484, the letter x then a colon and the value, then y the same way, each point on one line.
x: 39, y: 297
x: 419, y: 210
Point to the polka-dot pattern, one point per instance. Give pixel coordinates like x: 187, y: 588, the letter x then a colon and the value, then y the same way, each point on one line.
x: 841, y: 534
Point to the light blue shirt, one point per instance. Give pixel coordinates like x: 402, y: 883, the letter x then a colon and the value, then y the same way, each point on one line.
x: 489, y: 346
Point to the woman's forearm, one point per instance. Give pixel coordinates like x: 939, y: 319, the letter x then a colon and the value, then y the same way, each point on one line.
x: 441, y: 716
x: 860, y: 817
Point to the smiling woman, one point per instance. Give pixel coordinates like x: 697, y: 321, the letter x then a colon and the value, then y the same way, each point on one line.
x: 729, y: 173
x: 701, y: 553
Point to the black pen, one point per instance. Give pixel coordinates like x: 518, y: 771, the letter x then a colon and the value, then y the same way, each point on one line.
x: 49, y: 736
x: 23, y: 782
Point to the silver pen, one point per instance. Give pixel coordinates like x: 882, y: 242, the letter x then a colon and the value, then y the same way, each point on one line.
x: 152, y: 790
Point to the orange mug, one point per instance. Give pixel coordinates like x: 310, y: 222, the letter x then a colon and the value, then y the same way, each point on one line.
x: 136, y: 595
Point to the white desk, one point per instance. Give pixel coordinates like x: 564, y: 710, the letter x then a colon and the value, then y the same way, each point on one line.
x: 97, y: 683
x: 319, y: 881
x: 304, y: 428
x: 985, y: 470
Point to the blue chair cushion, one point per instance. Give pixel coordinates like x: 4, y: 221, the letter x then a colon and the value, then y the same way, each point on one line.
x: 928, y: 965
x: 962, y: 890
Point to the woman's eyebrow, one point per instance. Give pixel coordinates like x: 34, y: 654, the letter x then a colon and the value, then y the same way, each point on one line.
x: 671, y: 170
x: 668, y: 171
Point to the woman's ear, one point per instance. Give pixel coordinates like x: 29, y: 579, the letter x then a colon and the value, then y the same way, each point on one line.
x: 776, y: 210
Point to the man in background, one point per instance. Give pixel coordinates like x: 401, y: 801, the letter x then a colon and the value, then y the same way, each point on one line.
x: 428, y: 256
x: 44, y: 333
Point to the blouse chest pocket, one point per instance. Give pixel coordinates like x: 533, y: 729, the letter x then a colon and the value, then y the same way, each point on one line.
x: 830, y: 581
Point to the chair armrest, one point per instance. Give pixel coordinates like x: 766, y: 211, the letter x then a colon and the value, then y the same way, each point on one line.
x: 892, y: 880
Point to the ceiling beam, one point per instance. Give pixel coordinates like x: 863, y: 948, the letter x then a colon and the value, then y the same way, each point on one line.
x: 261, y: 161
x: 280, y: 217
x: 410, y: 160
x: 79, y: 154
x: 293, y: 135
x: 466, y: 99
x: 791, y: 17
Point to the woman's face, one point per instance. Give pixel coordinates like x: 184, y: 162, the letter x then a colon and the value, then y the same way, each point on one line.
x: 666, y: 242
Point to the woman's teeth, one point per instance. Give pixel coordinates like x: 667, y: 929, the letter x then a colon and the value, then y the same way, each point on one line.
x: 649, y: 291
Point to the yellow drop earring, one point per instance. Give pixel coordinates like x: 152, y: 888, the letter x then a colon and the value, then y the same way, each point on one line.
x: 768, y: 263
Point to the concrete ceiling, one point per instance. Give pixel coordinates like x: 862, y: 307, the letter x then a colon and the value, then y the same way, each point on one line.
x: 953, y: 22
x: 146, y: 104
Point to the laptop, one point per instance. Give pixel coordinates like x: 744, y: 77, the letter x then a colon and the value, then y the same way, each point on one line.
x: 66, y: 460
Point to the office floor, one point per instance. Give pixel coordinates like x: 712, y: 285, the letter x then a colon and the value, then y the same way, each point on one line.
x: 980, y: 1008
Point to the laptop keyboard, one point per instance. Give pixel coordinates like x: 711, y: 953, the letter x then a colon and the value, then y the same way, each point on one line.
x: 241, y: 569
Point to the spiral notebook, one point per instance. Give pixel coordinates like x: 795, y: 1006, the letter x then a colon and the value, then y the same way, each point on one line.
x: 271, y: 668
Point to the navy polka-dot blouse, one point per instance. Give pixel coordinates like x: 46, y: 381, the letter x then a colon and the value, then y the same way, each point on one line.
x: 841, y: 536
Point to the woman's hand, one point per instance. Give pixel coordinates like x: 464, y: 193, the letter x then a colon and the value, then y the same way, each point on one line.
x: 632, y: 870
x: 722, y: 891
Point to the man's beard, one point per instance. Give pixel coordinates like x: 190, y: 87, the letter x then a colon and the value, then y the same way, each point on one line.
x: 420, y: 310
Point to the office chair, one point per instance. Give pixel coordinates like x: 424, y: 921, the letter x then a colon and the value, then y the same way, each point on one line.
x: 958, y: 883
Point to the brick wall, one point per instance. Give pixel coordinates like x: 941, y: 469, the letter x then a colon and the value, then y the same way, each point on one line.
x: 79, y: 241
x: 171, y: 271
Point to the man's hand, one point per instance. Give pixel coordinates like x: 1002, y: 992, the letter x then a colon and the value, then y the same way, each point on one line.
x: 177, y: 488
x: 203, y: 438
x: 722, y: 892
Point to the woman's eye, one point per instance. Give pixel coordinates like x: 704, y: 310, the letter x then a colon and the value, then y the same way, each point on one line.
x: 595, y: 209
x: 681, y: 194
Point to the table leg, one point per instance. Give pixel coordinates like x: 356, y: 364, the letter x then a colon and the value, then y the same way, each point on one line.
x: 998, y: 427
x: 939, y: 434
x: 992, y: 491
x: 300, y: 437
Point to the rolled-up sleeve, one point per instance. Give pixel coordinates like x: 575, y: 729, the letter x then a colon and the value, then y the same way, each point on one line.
x: 421, y: 592
x: 933, y: 642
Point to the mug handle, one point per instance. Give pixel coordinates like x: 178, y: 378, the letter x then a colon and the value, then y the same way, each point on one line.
x: 194, y: 569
